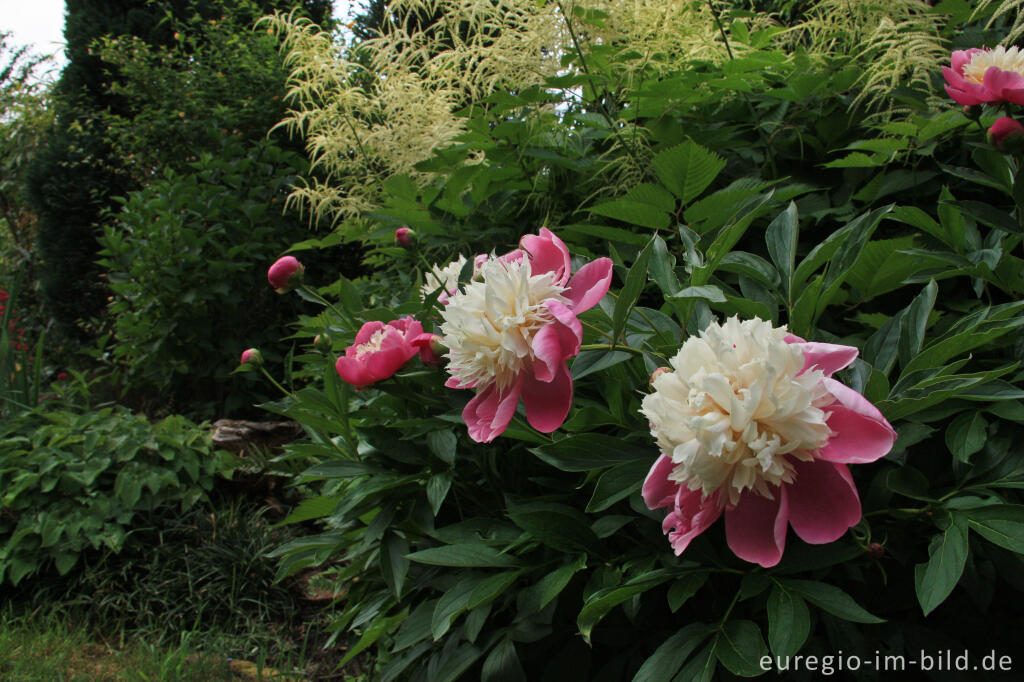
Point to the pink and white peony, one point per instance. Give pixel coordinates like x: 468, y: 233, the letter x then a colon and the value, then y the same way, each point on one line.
x: 978, y: 76
x: 750, y: 423
x: 379, y: 351
x: 510, y: 333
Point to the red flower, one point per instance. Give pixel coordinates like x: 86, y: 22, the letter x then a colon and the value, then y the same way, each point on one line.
x: 379, y: 351
x: 285, y: 274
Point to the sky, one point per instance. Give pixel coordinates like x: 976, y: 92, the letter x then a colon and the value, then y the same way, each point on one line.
x: 41, y: 24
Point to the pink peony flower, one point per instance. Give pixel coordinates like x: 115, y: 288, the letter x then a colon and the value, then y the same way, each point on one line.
x: 285, y: 274
x: 431, y: 348
x: 380, y: 350
x: 1007, y: 134
x: 511, y: 331
x: 405, y: 236
x: 750, y: 423
x: 252, y: 356
x: 977, y: 76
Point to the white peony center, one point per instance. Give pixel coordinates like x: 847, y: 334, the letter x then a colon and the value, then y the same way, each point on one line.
x: 489, y: 326
x: 374, y: 344
x: 1011, y: 59
x: 735, y: 412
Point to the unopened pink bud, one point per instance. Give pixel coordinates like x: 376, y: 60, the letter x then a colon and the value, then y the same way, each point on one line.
x: 405, y: 236
x: 285, y: 274
x: 1007, y: 134
x: 252, y: 356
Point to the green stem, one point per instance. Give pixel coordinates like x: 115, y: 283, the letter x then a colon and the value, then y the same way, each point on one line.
x: 344, y: 316
x: 276, y: 384
x: 611, y: 347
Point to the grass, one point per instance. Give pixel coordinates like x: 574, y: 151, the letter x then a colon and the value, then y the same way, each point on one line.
x: 50, y: 650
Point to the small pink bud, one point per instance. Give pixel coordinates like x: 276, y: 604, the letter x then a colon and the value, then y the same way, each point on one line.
x: 657, y: 373
x: 972, y: 111
x: 1007, y: 134
x: 252, y: 356
x: 285, y: 274
x: 405, y: 236
x: 431, y: 348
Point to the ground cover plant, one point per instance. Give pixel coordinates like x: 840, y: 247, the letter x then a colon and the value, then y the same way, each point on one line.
x: 685, y: 264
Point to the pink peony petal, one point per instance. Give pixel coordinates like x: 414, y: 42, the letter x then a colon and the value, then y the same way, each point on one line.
x: 823, y: 501
x: 693, y: 514
x: 453, y: 382
x: 547, y: 403
x: 998, y: 81
x: 556, y: 342
x: 828, y: 357
x: 1014, y: 95
x: 861, y: 432
x: 658, y: 491
x: 756, y: 527
x: 792, y: 338
x: 367, y: 331
x: 488, y: 413
x: 353, y: 372
x: 961, y: 58
x: 589, y: 284
x: 384, y: 363
x: 548, y: 253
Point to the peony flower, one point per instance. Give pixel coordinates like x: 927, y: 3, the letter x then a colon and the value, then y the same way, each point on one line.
x: 977, y: 76
x: 431, y: 348
x: 510, y: 334
x: 750, y: 423
x: 379, y: 351
x: 405, y: 237
x: 447, y: 278
x: 285, y: 274
x: 1007, y: 134
x: 252, y: 356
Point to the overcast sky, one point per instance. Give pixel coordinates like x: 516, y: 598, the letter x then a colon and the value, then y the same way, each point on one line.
x: 41, y: 24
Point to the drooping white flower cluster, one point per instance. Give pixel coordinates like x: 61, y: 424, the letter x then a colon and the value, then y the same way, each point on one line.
x: 489, y: 326
x: 737, y: 409
x: 446, y: 277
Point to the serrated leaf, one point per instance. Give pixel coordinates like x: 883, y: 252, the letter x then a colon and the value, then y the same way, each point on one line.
x: 634, y: 213
x: 687, y: 169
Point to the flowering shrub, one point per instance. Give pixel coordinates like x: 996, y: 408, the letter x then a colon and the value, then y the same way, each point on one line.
x: 810, y: 290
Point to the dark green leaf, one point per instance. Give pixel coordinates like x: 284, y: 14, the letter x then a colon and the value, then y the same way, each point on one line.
x: 831, y: 599
x: 934, y: 580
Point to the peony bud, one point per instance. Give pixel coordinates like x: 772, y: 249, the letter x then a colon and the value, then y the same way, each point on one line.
x: 323, y: 342
x: 285, y: 274
x: 657, y: 373
x: 1007, y: 134
x: 405, y: 237
x: 252, y: 356
x: 430, y: 347
x: 972, y: 111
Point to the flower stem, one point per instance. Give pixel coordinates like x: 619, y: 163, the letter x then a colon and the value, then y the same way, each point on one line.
x: 276, y: 384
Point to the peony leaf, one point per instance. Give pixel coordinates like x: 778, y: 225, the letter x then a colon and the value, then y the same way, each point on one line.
x: 933, y: 581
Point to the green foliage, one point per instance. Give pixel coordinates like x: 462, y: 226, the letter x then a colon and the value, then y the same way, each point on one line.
x: 749, y: 180
x: 183, y: 253
x: 73, y: 482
